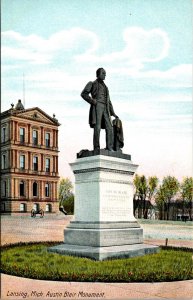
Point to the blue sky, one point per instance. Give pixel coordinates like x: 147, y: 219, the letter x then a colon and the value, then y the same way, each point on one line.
x: 146, y: 49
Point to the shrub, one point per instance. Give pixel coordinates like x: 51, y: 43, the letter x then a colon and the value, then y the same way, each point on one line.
x: 68, y: 205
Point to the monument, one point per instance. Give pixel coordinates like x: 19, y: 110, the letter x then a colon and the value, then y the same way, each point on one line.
x: 103, y: 226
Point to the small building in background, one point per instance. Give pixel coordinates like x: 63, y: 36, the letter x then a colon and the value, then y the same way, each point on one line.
x: 29, y: 160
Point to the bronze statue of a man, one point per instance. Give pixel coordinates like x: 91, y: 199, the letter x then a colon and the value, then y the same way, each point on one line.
x: 96, y: 94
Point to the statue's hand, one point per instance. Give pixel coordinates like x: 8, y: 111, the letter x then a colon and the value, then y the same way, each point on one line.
x: 94, y: 101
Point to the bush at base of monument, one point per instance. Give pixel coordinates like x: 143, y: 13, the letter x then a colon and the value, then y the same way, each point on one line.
x: 33, y: 261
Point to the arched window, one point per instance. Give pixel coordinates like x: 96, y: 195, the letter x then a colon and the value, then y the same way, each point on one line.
x: 3, y: 135
x: 48, y: 208
x: 35, y: 163
x: 36, y: 206
x: 22, y: 207
x: 47, y: 139
x: 3, y: 165
x: 47, y: 190
x: 35, y: 137
x: 35, y: 189
x: 47, y: 164
x: 22, y: 188
x: 4, y: 189
x: 22, y: 162
x: 22, y: 134
x: 2, y: 207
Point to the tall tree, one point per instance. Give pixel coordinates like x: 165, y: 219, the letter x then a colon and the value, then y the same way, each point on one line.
x: 144, y: 191
x: 143, y: 194
x: 136, y: 182
x: 141, y: 188
x: 170, y: 187
x: 160, y: 202
x: 187, y: 194
x: 65, y: 190
x: 152, y: 186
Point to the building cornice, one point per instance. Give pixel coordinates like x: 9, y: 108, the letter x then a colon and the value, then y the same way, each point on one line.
x: 12, y: 113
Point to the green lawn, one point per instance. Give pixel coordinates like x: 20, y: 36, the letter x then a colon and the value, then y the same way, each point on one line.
x: 33, y: 261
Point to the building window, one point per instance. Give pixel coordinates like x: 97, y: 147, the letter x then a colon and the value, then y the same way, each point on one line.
x: 22, y: 135
x: 3, y: 161
x: 22, y: 189
x: 22, y: 162
x: 35, y: 163
x: 48, y: 207
x: 2, y: 206
x: 35, y: 137
x: 47, y: 165
x: 22, y: 207
x: 3, y: 134
x: 36, y: 206
x: 4, y: 189
x: 47, y: 139
x: 35, y: 189
x: 47, y: 190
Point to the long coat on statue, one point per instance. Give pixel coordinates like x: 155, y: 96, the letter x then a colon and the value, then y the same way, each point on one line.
x: 92, y: 88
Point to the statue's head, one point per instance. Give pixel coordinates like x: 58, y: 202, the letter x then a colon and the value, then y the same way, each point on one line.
x: 101, y: 73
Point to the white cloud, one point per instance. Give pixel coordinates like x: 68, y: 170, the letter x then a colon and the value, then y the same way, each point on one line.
x: 178, y: 76
x: 140, y: 46
x: 146, y: 46
x: 35, y: 48
x: 76, y: 47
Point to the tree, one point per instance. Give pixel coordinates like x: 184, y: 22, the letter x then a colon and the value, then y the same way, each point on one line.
x: 68, y: 205
x: 170, y: 187
x: 143, y: 189
x: 160, y: 202
x: 140, y: 183
x: 152, y: 186
x: 187, y: 194
x: 65, y: 190
x: 136, y: 182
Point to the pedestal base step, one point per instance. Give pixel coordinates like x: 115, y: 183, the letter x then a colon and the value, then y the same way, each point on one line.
x: 102, y: 253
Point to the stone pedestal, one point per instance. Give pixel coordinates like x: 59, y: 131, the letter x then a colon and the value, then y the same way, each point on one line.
x: 104, y: 225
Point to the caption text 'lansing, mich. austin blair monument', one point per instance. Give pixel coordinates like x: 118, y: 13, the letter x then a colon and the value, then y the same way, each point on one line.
x: 103, y: 226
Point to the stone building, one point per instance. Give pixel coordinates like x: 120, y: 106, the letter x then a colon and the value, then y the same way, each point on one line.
x: 29, y: 160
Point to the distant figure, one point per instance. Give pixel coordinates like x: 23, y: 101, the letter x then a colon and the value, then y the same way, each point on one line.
x: 101, y: 109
